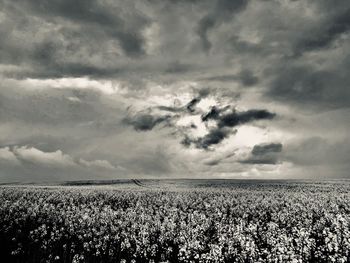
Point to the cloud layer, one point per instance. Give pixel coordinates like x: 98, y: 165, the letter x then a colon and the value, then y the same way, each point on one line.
x: 174, y: 89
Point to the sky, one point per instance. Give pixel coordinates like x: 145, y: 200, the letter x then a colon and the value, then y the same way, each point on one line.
x: 102, y: 89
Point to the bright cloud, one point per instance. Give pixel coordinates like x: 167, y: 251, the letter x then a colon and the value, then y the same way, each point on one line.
x: 23, y: 154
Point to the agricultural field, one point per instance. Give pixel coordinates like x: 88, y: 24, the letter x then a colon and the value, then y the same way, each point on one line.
x: 176, y: 221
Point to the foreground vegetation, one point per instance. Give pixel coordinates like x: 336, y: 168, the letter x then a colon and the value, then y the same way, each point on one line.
x: 241, y: 223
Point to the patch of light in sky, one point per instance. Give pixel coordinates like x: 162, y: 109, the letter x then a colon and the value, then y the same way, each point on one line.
x: 200, y: 130
x: 105, y: 86
x: 206, y: 103
x: 248, y: 136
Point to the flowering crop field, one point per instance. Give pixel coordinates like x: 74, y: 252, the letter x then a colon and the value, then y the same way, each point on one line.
x: 203, y: 222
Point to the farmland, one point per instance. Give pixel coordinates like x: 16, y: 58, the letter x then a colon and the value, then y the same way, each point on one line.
x: 177, y: 221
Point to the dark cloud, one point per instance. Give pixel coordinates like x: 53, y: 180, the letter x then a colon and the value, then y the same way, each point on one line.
x: 92, y: 13
x: 227, y: 117
x: 205, y: 24
x: 214, y: 114
x: 190, y: 107
x: 215, y: 136
x: 266, y: 153
x: 146, y: 122
x: 237, y: 118
x: 262, y: 149
x: 245, y: 77
x: 192, y: 104
x: 212, y: 162
x: 328, y: 32
x: 224, y: 121
x: 84, y: 38
x: 170, y: 109
x: 312, y: 74
x: 222, y: 11
x: 318, y: 88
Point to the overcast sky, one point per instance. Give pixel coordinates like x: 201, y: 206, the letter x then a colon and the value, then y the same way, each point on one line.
x: 157, y: 89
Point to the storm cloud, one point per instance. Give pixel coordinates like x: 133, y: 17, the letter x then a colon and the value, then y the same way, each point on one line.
x: 225, y: 118
x: 214, y: 136
x: 267, y: 148
x: 266, y: 153
x: 246, y: 77
x: 145, y: 122
x: 172, y: 88
x: 223, y: 10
